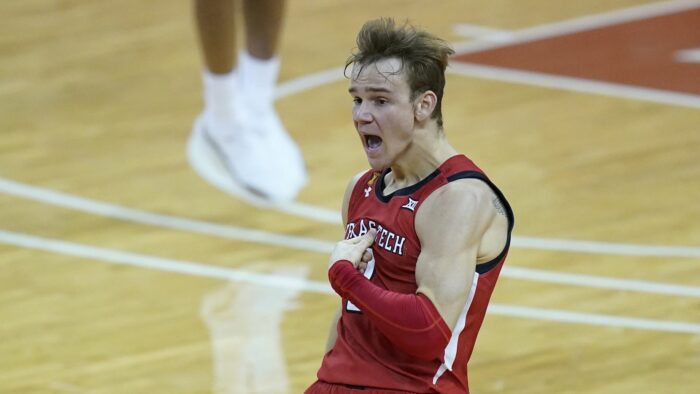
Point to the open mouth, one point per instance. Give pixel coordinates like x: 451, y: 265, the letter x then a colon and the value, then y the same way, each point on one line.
x: 372, y: 142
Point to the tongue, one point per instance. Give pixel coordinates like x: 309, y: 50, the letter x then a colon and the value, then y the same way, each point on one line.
x: 373, y: 141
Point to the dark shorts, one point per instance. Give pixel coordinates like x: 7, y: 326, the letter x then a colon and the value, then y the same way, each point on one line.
x: 328, y: 388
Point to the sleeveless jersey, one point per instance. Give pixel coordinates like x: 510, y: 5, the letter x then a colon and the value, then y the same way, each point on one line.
x: 363, y: 357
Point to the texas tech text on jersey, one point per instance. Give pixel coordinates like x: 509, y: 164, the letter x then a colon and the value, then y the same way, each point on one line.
x: 386, y: 239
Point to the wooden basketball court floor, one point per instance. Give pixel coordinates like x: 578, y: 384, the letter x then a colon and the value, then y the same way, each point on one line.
x: 124, y: 270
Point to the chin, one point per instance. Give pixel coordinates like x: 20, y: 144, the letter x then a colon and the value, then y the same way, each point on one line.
x: 376, y: 164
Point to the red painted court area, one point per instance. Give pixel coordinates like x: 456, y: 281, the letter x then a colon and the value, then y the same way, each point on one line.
x: 644, y: 53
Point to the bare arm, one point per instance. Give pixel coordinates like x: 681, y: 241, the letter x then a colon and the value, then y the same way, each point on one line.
x: 471, y: 230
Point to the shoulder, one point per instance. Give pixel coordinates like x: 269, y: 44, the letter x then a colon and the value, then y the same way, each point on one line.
x: 348, y: 193
x: 463, y: 195
x: 460, y: 206
x: 353, y: 181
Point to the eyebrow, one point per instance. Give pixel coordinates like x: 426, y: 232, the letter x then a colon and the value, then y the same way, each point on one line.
x: 352, y: 89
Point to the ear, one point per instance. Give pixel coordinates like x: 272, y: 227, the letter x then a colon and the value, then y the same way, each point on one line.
x: 425, y: 105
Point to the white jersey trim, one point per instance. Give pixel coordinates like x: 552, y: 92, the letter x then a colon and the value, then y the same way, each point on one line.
x: 451, y: 349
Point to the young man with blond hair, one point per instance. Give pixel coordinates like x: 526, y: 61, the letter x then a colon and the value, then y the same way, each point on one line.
x: 426, y: 231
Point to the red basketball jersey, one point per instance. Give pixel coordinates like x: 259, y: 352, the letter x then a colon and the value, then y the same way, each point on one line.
x: 363, y: 356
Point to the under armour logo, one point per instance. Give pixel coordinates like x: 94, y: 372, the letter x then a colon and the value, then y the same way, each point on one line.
x: 411, y: 204
x: 369, y: 189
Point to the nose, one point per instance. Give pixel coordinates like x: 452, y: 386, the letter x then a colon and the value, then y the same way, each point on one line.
x: 361, y: 114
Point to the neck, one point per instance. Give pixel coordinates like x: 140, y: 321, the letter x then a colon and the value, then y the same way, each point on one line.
x: 426, y: 153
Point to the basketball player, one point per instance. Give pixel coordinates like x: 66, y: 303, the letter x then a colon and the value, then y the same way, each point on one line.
x: 437, y: 230
x: 239, y: 117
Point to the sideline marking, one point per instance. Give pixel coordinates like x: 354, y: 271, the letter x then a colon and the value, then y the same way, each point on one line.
x: 522, y: 273
x: 159, y: 263
x: 601, y: 282
x: 575, y: 84
x: 483, y: 33
x: 688, y: 55
x: 593, y: 319
x: 579, y: 24
x: 296, y: 283
x: 308, y: 244
x: 501, y: 38
x: 154, y: 219
x: 601, y: 247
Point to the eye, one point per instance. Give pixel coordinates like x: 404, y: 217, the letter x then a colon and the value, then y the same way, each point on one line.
x: 357, y: 100
x: 381, y: 101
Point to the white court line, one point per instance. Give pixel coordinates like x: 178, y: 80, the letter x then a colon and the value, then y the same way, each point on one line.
x: 600, y: 282
x: 599, y: 247
x: 688, y: 55
x: 297, y: 283
x: 505, y: 38
x: 159, y: 263
x: 575, y: 84
x: 576, y: 25
x: 325, y: 247
x: 482, y: 33
x: 137, y: 216
x: 82, y: 204
x: 593, y: 319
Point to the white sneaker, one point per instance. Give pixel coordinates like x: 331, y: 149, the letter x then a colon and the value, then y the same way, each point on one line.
x: 258, y: 152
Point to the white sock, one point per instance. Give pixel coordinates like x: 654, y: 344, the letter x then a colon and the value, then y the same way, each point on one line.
x: 219, y: 93
x: 258, y: 78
